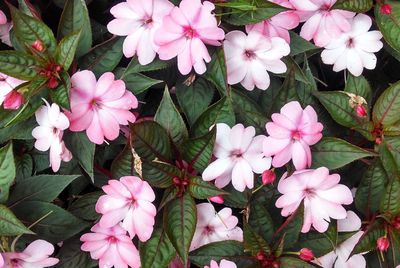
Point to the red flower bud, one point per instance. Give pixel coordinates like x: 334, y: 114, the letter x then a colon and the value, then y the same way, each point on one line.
x: 306, y: 254
x: 386, y: 9
x: 361, y: 111
x: 260, y: 256
x: 382, y: 244
x: 38, y: 46
x: 13, y: 100
x: 396, y: 223
x: 176, y: 181
x: 219, y: 199
x: 378, y: 141
x: 52, y: 83
x: 268, y: 177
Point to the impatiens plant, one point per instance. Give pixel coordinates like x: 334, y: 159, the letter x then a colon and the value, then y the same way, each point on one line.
x: 200, y: 133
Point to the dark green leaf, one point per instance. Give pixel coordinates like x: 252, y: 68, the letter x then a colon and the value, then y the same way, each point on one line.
x: 24, y: 166
x: 66, y: 49
x: 84, y: 207
x: 386, y: 108
x: 123, y: 164
x: 18, y: 64
x: 235, y: 198
x: 290, y: 262
x: 253, y: 242
x: 261, y: 222
x: 391, y: 199
x: 389, y: 24
x: 291, y: 228
x: 70, y: 255
x: 368, y: 240
x: 359, y: 86
x: 159, y: 174
x: 200, y: 189
x: 135, y: 67
x: 138, y: 83
x: 10, y: 225
x: 216, y: 71
x: 60, y: 94
x: 7, y: 171
x: 299, y: 45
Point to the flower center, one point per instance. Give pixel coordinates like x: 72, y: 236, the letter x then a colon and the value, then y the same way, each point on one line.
x: 189, y: 32
x: 237, y: 154
x: 147, y: 21
x: 350, y: 43
x: 249, y: 54
x: 326, y: 7
x: 296, y: 135
x: 309, y: 192
x: 112, y: 239
x: 208, y: 230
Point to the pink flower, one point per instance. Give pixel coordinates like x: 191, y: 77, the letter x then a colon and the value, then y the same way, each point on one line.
x: 322, y: 194
x: 222, y: 264
x: 35, y: 255
x: 7, y: 84
x: 323, y: 24
x: 214, y: 227
x: 111, y: 246
x: 13, y: 100
x: 5, y: 33
x: 292, y: 131
x: 185, y: 32
x: 382, y: 244
x: 3, y: 18
x: 354, y: 50
x: 128, y: 200
x: 306, y: 254
x: 280, y: 24
x: 138, y: 20
x: 99, y: 107
x: 1, y: 261
x: 52, y: 123
x: 239, y: 154
x: 340, y: 257
x: 249, y: 57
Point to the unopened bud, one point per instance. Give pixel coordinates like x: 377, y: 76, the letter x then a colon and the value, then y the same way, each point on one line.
x: 38, y: 46
x: 386, y: 9
x: 268, y: 177
x: 382, y: 244
x: 52, y: 83
x: 13, y: 100
x: 361, y: 111
x: 306, y: 254
x: 378, y: 141
x: 396, y: 222
x: 219, y: 199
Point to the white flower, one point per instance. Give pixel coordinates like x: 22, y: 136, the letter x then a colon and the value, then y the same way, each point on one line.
x: 354, y: 50
x: 239, y: 154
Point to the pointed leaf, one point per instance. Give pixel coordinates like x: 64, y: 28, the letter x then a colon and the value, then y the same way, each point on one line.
x: 253, y: 242
x: 200, y: 189
x: 389, y: 24
x: 84, y: 206
x: 7, y: 171
x: 359, y: 6
x: 18, y: 64
x: 216, y: 71
x: 261, y: 222
x: 10, y: 225
x: 391, y: 199
x: 66, y: 49
x: 159, y: 174
x: 359, y: 86
x: 60, y: 94
x: 386, y: 109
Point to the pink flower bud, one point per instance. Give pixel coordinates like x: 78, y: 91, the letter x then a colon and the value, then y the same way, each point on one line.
x: 219, y: 199
x: 396, y: 223
x: 361, y: 111
x: 13, y: 100
x: 306, y: 254
x: 382, y: 244
x: 38, y: 46
x: 268, y: 177
x: 386, y: 9
x: 52, y: 83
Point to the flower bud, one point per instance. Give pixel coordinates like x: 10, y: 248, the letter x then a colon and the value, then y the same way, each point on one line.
x: 378, y: 141
x: 13, y: 100
x: 361, y: 111
x: 386, y: 9
x: 52, y: 83
x: 219, y: 199
x: 396, y: 223
x: 268, y: 177
x: 382, y: 244
x: 38, y: 46
x: 306, y: 254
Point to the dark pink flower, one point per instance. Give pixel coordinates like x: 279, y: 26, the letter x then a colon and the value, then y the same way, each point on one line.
x: 382, y: 244
x: 306, y: 254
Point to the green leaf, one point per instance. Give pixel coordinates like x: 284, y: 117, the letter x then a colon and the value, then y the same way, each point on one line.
x: 391, y: 199
x: 369, y: 191
x: 248, y: 111
x: 197, y: 152
x: 39, y: 188
x: 7, y: 171
x: 219, y: 112
x: 159, y: 174
x: 290, y: 262
x: 200, y: 189
x: 368, y: 240
x: 387, y: 156
x: 138, y: 83
x: 168, y: 116
x: 28, y: 30
x: 84, y: 207
x: 228, y: 250
x: 292, y: 228
x: 261, y: 10
x: 216, y: 71
x: 253, y: 242
x: 66, y: 49
x: 70, y: 255
x: 389, y: 24
x: 10, y: 225
x: 151, y: 141
x: 235, y: 198
x: 60, y: 94
x: 58, y: 226
x: 359, y: 86
x: 123, y: 164
x: 180, y: 219
x: 103, y: 57
x: 24, y: 166
x: 194, y: 99
x: 338, y: 106
x: 261, y: 222
x: 334, y: 153
x: 386, y: 109
x: 299, y: 45
x: 157, y: 251
x: 18, y: 64
x: 393, y: 146
x: 135, y: 67
x: 288, y: 91
x: 75, y: 17
x: 82, y: 150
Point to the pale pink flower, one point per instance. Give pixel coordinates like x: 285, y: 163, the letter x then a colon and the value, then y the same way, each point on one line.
x: 280, y: 24
x: 249, y: 57
x: 111, y: 246
x: 222, y: 264
x: 322, y: 194
x: 138, y: 20
x: 339, y: 258
x: 13, y: 100
x: 354, y: 50
x: 291, y: 133
x: 35, y: 255
x: 5, y: 28
x: 213, y: 227
x: 52, y: 123
x: 185, y: 32
x: 323, y: 24
x: 3, y: 18
x: 1, y: 261
x: 128, y: 200
x: 7, y: 84
x: 100, y: 107
x: 238, y: 154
